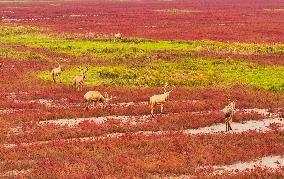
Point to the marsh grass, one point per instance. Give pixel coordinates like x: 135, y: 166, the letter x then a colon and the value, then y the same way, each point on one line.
x: 10, y: 53
x: 188, y: 72
x: 74, y: 45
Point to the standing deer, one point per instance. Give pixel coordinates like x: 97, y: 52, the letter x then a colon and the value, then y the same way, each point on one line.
x: 229, y: 112
x: 159, y: 99
x: 79, y: 80
x: 95, y: 97
x: 56, y: 72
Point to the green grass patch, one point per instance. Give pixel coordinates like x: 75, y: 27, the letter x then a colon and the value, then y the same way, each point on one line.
x: 189, y: 72
x: 8, y: 31
x: 124, y: 49
x: 17, y: 55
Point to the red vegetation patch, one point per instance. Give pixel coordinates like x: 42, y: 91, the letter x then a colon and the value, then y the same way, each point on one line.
x: 241, y: 20
x: 31, y: 132
x: 259, y: 173
x: 25, y: 100
x: 142, y: 156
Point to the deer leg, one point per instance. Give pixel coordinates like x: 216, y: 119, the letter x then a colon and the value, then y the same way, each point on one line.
x: 226, y: 123
x: 79, y: 87
x: 162, y: 108
x: 53, y: 77
x: 152, y: 110
x: 230, y: 123
x: 76, y: 86
x: 103, y: 104
x: 87, y: 105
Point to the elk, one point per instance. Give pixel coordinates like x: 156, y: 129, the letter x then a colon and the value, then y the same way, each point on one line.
x: 159, y: 99
x: 229, y: 112
x: 95, y: 97
x: 79, y: 80
x: 56, y: 72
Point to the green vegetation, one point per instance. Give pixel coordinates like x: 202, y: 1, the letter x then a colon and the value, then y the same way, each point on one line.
x: 129, y: 48
x: 27, y: 55
x: 9, y: 31
x: 189, y: 72
x: 154, y: 71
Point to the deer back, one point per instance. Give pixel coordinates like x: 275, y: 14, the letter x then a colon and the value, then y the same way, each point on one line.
x: 161, y: 98
x: 92, y: 95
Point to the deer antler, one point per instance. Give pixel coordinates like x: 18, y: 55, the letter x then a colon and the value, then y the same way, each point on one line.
x: 172, y: 88
x: 107, y: 96
x: 165, y: 86
x: 58, y: 64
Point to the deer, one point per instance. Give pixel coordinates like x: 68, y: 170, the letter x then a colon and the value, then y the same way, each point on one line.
x: 117, y: 36
x: 56, y: 72
x: 79, y: 80
x: 96, y: 97
x: 159, y: 99
x: 229, y: 112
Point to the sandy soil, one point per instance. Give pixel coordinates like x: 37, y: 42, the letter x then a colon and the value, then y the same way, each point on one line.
x: 258, y: 126
x: 271, y: 162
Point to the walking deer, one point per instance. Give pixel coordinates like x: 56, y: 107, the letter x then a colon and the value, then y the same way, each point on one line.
x: 56, y: 72
x: 95, y: 97
x: 79, y: 80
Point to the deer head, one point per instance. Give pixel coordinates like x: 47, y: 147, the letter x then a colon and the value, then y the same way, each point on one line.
x: 165, y: 88
x: 107, y: 98
x: 83, y: 72
x: 59, y: 66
